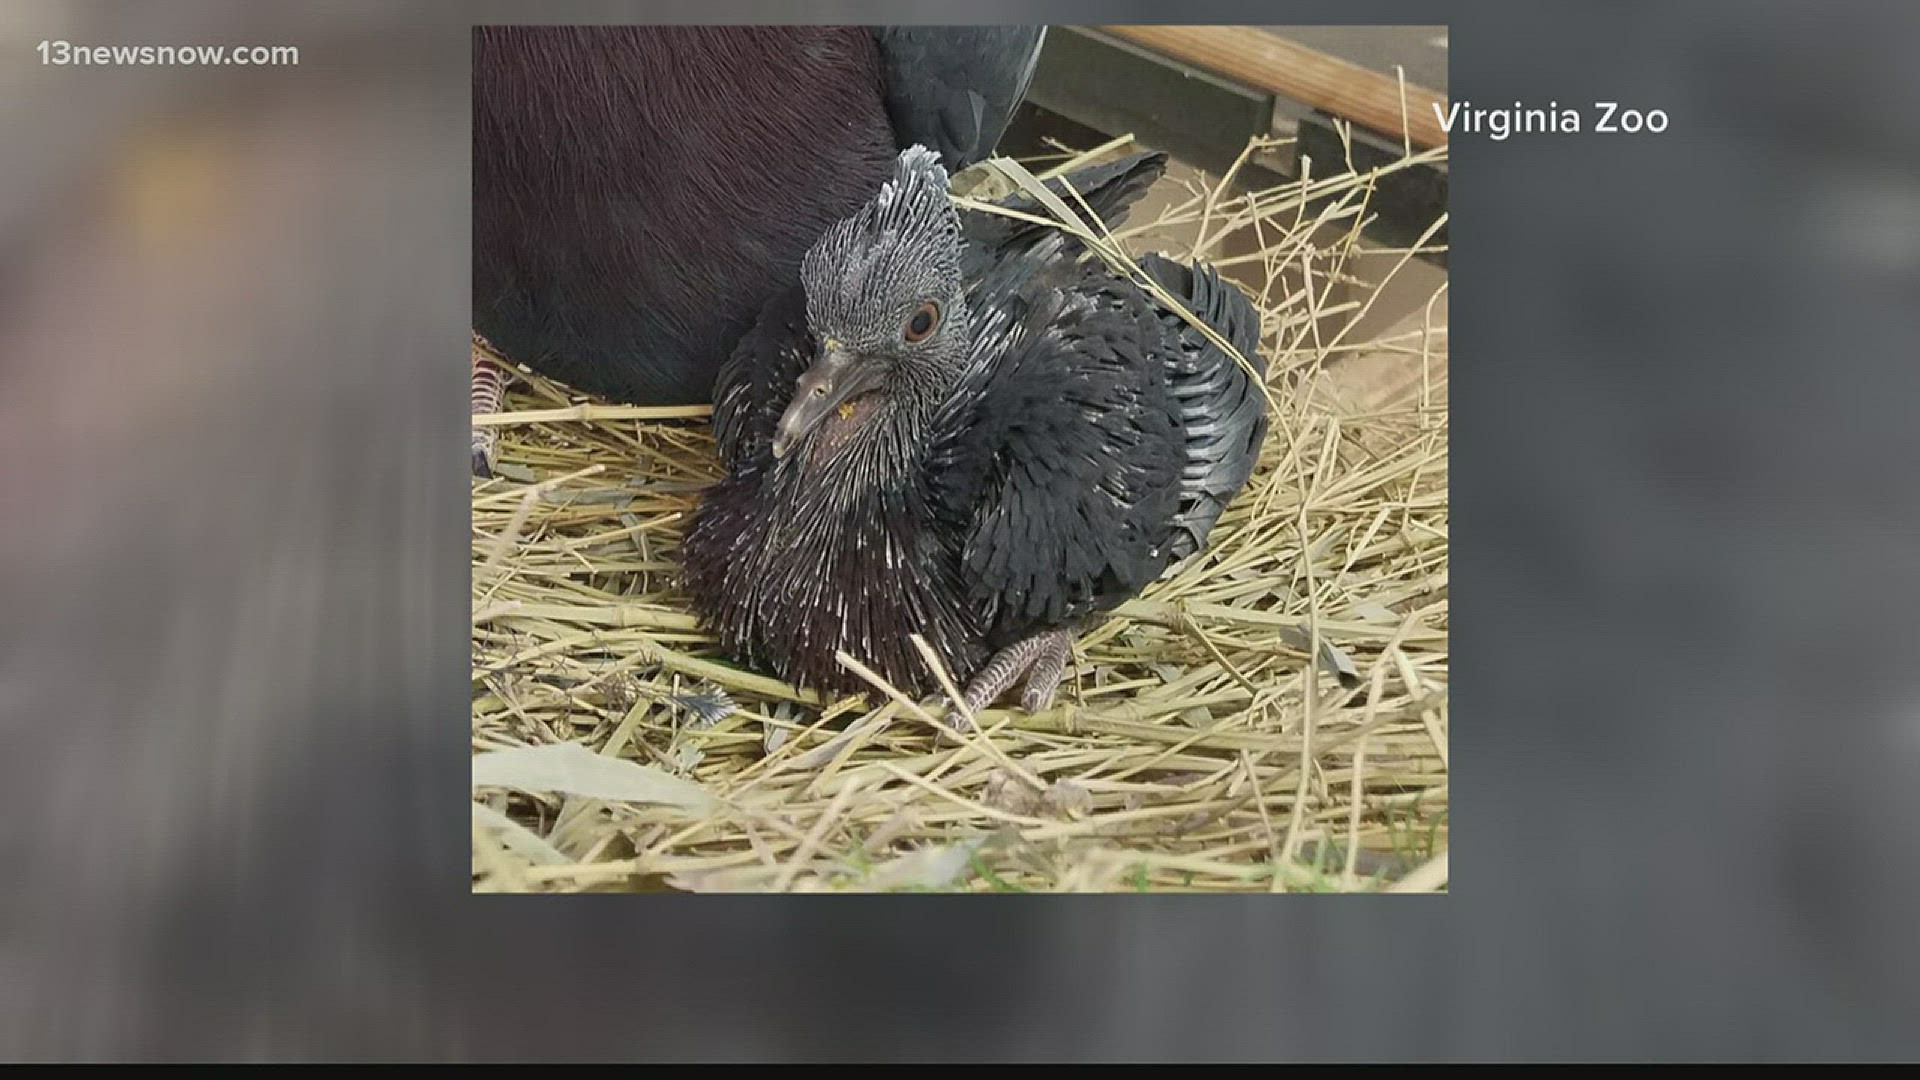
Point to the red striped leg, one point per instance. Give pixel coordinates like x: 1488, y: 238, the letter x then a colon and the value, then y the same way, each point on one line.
x: 489, y: 395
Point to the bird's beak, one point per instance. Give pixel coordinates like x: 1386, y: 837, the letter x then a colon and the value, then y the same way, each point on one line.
x: 834, y: 380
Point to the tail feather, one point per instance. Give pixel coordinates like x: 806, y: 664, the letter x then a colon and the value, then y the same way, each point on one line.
x: 1222, y: 408
x: 1109, y: 189
x: 1004, y: 254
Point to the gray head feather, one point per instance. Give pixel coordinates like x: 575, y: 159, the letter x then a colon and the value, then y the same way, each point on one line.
x: 867, y: 274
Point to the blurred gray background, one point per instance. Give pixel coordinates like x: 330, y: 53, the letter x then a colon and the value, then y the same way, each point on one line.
x: 233, y: 560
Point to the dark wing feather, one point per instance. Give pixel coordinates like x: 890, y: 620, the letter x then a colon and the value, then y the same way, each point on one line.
x: 954, y: 89
x: 1110, y: 189
x: 1222, y: 411
x: 1057, y: 463
x: 756, y: 382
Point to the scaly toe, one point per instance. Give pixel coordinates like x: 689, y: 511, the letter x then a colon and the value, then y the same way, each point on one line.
x: 980, y: 696
x: 943, y: 708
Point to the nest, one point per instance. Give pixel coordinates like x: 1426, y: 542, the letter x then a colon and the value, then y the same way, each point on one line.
x: 1269, y: 716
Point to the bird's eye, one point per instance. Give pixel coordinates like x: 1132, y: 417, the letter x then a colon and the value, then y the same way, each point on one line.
x: 925, y: 318
x: 819, y: 391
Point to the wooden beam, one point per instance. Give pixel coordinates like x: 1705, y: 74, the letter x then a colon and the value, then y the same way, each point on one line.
x: 1118, y: 88
x: 1263, y: 60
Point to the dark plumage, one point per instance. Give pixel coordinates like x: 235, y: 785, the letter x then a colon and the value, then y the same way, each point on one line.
x: 954, y: 88
x: 964, y: 426
x: 640, y: 192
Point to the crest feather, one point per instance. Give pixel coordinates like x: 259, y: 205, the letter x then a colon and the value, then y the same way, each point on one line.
x: 907, y: 230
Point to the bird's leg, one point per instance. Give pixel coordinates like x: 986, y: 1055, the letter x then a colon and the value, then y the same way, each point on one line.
x: 1043, y: 678
x: 1041, y: 659
x: 489, y: 394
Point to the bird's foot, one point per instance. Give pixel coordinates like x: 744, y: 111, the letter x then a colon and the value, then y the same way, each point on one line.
x: 489, y: 394
x: 1041, y: 659
x: 941, y: 705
